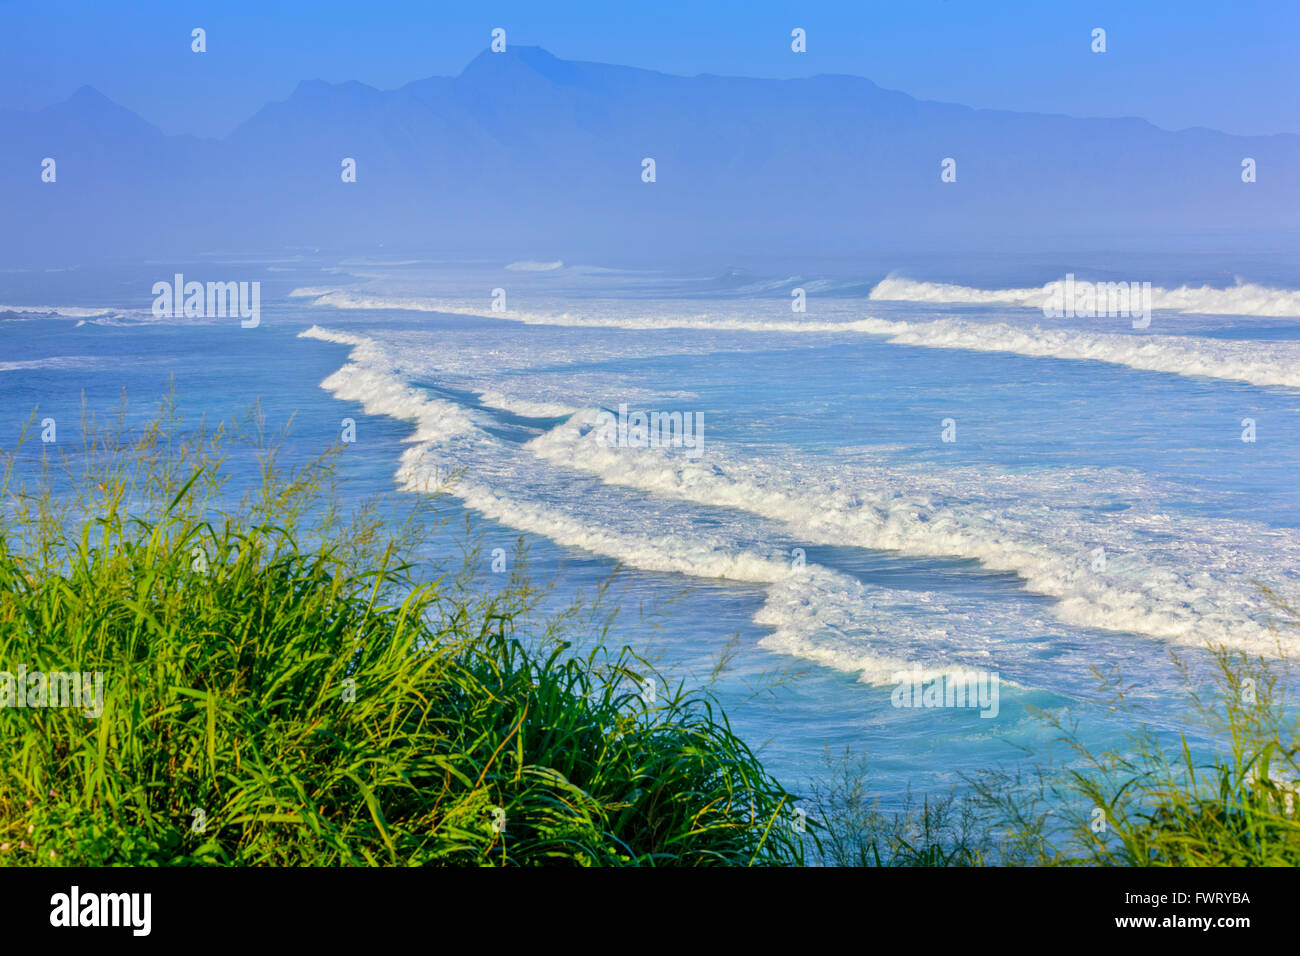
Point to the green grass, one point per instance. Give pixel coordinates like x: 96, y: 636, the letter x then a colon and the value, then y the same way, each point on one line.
x: 1223, y: 792
x: 1153, y: 802
x: 285, y: 686
x: 943, y: 830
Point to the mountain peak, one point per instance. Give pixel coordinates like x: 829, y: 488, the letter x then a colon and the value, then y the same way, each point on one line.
x: 90, y: 106
x: 88, y: 95
x: 517, y: 60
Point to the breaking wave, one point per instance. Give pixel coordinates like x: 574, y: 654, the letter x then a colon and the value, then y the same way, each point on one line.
x: 1245, y: 298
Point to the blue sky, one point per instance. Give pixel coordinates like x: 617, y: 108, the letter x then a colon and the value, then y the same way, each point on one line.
x: 1229, y: 66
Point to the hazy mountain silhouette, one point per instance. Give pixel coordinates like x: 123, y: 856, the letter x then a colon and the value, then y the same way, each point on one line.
x: 527, y: 152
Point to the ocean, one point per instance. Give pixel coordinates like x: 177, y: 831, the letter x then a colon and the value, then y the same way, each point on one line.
x: 897, y: 472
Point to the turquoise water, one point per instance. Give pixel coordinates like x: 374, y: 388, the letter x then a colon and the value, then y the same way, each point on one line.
x: 1097, y: 505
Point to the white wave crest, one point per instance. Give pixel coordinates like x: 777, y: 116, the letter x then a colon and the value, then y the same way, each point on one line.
x: 1158, y: 581
x: 718, y: 321
x: 519, y: 406
x: 58, y: 362
x: 1276, y: 363
x: 813, y: 612
x: 1263, y: 364
x: 369, y: 379
x: 1245, y: 298
x: 60, y: 311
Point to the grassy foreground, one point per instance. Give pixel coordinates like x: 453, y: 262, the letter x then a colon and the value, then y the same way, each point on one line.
x: 284, y: 689
x: 275, y: 682
x: 1223, y: 790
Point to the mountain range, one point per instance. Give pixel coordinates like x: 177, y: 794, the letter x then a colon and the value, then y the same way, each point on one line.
x: 527, y: 154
